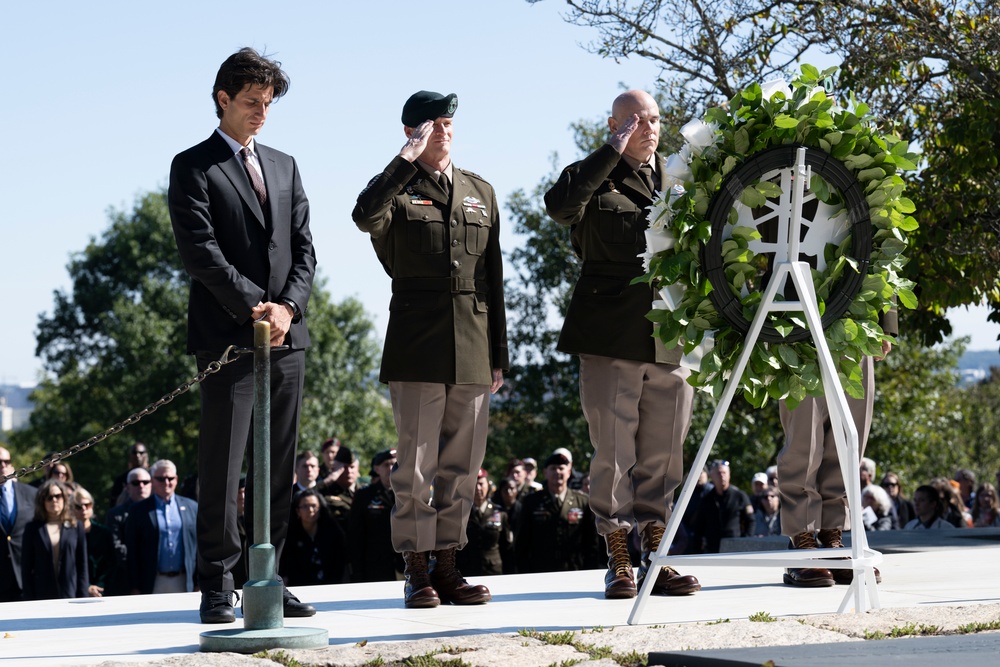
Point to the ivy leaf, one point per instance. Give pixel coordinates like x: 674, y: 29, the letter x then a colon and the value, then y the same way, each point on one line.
x: 783, y: 327
x: 741, y: 141
x: 819, y: 187
x: 789, y: 356
x: 858, y: 161
x: 769, y: 189
x: 810, y: 74
x: 872, y: 174
x: 745, y: 233
x: 751, y: 197
x: 729, y: 164
x: 786, y: 122
x: 905, y: 205
x: 907, y: 298
x: 845, y: 147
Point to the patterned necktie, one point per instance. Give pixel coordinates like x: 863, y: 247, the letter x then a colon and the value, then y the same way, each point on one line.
x: 645, y: 172
x: 255, y: 179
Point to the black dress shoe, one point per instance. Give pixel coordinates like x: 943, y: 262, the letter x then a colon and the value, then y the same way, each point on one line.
x: 295, y: 608
x: 808, y: 577
x: 217, y: 606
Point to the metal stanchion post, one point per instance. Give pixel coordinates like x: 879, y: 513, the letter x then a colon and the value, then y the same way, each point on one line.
x: 263, y: 618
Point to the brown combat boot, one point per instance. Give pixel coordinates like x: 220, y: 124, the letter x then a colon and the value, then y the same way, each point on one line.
x: 449, y: 582
x: 668, y: 581
x: 418, y: 592
x: 833, y: 538
x: 619, y: 582
x: 807, y: 577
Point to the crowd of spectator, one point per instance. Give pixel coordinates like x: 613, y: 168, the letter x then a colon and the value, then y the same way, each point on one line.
x: 531, y: 519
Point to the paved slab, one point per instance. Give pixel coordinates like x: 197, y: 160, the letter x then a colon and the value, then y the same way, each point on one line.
x: 540, y: 619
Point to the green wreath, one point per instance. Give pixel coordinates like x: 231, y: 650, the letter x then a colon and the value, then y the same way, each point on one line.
x: 757, y: 120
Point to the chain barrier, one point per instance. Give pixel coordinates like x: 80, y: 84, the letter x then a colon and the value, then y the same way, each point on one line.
x: 213, y: 367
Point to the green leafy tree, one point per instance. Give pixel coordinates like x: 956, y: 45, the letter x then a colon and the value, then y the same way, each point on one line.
x: 539, y: 408
x: 919, y: 412
x: 115, y: 342
x: 342, y: 393
x: 980, y: 431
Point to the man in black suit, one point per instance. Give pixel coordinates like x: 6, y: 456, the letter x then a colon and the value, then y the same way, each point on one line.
x: 138, y: 485
x: 241, y: 221
x: 17, y: 508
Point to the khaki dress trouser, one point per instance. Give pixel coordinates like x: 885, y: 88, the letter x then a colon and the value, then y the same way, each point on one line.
x: 639, y: 414
x: 813, y: 495
x: 442, y: 440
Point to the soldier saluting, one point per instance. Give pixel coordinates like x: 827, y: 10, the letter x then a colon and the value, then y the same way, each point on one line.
x: 436, y: 230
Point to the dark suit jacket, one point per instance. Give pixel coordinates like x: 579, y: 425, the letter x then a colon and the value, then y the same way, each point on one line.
x: 604, y: 201
x: 40, y: 579
x: 447, y: 320
x: 142, y: 540
x: 236, y: 253
x: 10, y: 552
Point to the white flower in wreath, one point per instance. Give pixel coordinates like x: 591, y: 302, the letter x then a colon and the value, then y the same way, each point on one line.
x: 775, y: 86
x: 646, y: 258
x: 699, y: 135
x: 660, y: 214
x: 677, y: 170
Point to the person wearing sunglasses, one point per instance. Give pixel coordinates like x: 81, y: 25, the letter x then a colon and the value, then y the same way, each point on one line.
x: 138, y: 486
x: 16, y: 503
x: 54, y: 561
x: 161, y: 538
x: 903, y: 505
x: 101, y: 560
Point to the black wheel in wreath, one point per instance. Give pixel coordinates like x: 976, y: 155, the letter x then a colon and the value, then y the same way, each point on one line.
x: 821, y: 224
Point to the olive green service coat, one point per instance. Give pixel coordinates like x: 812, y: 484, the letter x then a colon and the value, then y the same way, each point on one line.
x: 604, y: 201
x: 447, y: 322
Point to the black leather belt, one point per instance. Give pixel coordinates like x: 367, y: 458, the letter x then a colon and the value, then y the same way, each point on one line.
x: 453, y: 284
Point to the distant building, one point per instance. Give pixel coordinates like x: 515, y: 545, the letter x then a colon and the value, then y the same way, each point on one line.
x: 15, y: 406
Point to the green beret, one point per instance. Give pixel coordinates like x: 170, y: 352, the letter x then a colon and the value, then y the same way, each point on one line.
x: 425, y: 105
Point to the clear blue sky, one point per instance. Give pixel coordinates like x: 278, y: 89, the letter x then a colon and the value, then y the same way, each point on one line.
x: 102, y: 95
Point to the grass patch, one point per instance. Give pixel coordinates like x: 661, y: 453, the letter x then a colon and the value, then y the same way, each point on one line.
x: 908, y: 630
x: 550, y: 638
x: 594, y: 652
x: 718, y: 621
x: 978, y: 627
x: 761, y: 617
x: 279, y: 657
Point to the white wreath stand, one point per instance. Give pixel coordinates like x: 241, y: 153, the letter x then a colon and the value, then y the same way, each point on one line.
x: 859, y: 557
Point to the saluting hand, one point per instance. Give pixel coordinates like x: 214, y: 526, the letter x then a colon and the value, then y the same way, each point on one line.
x: 417, y: 141
x: 619, y: 139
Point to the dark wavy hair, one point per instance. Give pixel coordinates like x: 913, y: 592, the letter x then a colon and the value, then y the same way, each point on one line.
x: 244, y: 67
x: 44, y: 490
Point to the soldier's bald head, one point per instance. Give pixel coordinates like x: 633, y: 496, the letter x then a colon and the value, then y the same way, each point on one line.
x: 630, y: 102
